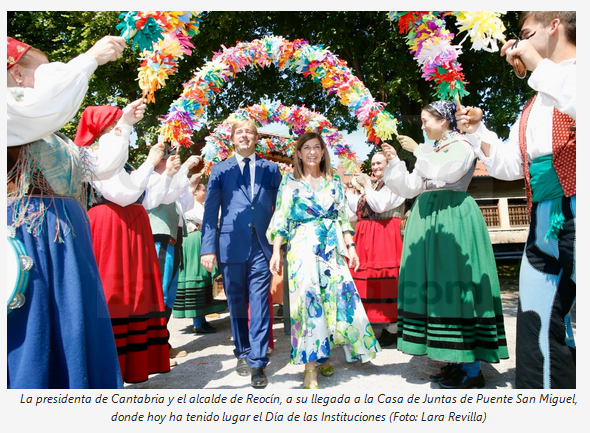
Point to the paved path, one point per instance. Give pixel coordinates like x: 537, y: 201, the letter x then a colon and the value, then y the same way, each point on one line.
x: 210, y: 362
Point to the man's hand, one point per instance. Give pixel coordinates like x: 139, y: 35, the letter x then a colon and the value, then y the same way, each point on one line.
x: 524, y: 50
x: 208, y: 261
x: 361, y: 180
x: 107, y: 49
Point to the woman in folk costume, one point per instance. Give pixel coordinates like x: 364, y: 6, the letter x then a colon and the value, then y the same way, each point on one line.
x: 61, y: 336
x: 449, y: 295
x: 124, y: 249
x: 378, y: 245
x: 194, y: 296
x: 169, y: 194
x: 311, y: 216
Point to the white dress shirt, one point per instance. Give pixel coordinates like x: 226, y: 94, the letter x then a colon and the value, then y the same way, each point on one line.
x: 241, y: 163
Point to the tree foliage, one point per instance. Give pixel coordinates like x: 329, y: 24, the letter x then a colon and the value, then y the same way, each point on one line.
x: 367, y: 41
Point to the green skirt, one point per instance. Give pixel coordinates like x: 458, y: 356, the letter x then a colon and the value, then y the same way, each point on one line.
x: 449, y: 295
x: 194, y: 297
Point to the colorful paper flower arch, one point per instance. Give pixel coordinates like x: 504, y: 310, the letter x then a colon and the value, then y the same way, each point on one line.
x: 185, y: 114
x: 163, y: 37
x: 298, y: 118
x: 430, y: 42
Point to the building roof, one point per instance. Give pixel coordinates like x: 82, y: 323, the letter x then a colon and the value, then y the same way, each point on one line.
x: 480, y: 170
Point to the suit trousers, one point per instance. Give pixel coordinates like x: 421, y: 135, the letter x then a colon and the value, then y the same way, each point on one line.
x: 247, y: 286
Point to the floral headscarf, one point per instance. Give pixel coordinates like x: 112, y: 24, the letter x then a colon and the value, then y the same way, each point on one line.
x: 447, y: 110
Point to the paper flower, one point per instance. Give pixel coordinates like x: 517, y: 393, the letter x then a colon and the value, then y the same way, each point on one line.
x: 312, y: 61
x: 431, y: 44
x: 300, y: 119
x: 163, y: 38
x: 484, y: 28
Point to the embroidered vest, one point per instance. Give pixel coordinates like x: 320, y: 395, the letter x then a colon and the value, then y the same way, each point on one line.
x: 563, y: 149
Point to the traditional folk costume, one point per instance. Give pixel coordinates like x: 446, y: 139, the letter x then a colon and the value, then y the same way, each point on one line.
x: 124, y: 250
x: 326, y: 310
x: 379, y: 248
x: 61, y: 337
x: 544, y: 137
x: 449, y: 295
x: 166, y: 199
x: 194, y: 297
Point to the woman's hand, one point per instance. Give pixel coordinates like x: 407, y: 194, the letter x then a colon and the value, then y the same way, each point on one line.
x: 407, y: 143
x: 107, y: 49
x: 172, y: 165
x: 276, y: 264
x: 468, y: 119
x: 194, y: 180
x: 156, y: 153
x: 353, y: 258
x: 192, y: 161
x: 133, y: 112
x: 388, y: 151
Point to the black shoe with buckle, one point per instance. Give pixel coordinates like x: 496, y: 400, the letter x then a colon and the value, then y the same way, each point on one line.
x: 242, y: 367
x: 259, y: 379
x: 462, y: 381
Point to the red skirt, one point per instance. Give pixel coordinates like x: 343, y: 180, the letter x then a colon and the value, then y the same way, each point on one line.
x: 128, y: 265
x: 379, y: 247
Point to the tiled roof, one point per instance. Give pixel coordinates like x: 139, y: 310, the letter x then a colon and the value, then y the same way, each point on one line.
x: 480, y: 170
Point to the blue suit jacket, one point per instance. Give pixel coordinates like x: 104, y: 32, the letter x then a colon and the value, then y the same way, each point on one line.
x: 239, y: 213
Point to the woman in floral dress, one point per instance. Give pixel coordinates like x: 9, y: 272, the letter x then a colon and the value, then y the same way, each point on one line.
x: 326, y: 310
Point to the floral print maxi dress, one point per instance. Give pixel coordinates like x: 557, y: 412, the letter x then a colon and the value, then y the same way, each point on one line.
x: 326, y: 310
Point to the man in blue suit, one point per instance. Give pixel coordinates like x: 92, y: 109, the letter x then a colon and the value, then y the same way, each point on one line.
x: 242, y: 192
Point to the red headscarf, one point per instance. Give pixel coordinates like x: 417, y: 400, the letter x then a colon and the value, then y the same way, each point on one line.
x: 14, y: 51
x: 94, y: 120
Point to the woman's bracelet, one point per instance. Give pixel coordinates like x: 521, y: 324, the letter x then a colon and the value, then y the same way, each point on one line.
x: 352, y: 244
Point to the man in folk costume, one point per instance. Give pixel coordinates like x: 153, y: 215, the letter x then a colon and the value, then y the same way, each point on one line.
x: 542, y: 150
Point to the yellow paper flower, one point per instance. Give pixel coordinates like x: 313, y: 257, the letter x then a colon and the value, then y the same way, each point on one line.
x: 483, y: 28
